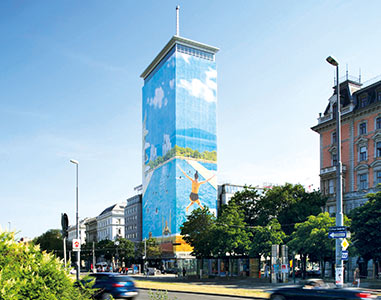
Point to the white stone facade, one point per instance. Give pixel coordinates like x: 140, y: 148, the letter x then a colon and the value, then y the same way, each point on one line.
x: 110, y: 223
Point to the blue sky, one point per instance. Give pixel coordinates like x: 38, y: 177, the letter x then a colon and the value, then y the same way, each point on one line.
x: 70, y: 89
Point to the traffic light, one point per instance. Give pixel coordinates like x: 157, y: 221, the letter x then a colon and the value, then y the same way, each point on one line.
x: 65, y: 225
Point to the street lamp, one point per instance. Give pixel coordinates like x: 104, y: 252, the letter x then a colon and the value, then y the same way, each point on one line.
x: 77, y: 218
x: 339, y: 194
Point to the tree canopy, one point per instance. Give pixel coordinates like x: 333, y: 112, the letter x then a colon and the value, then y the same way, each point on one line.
x: 197, y: 231
x: 51, y: 241
x: 26, y: 272
x: 366, y: 228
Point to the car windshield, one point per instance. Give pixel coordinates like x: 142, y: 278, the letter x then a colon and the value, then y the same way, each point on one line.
x: 122, y: 278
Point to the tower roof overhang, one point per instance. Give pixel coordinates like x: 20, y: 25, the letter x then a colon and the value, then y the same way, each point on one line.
x: 176, y: 40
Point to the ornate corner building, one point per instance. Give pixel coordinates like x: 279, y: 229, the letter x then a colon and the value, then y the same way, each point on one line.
x: 361, y: 143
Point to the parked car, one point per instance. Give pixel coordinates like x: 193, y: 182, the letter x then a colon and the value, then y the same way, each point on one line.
x: 171, y: 271
x: 317, y: 289
x: 113, y: 284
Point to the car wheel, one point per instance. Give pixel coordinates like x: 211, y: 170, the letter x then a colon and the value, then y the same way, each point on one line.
x: 106, y: 296
x: 277, y: 297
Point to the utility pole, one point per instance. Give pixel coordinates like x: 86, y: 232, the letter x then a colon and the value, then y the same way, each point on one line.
x: 339, y: 276
x: 94, y: 259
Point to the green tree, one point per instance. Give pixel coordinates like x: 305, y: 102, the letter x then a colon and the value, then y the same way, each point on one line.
x: 151, y: 247
x: 197, y: 231
x: 366, y: 228
x: 265, y: 236
x: 290, y: 204
x: 26, y: 272
x: 106, y: 248
x: 248, y: 201
x: 310, y: 239
x: 51, y: 241
x: 126, y: 250
x: 231, y: 235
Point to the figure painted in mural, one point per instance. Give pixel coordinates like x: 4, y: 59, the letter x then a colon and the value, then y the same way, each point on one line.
x: 193, y: 197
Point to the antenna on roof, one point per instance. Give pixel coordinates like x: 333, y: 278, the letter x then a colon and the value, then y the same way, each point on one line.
x: 346, y: 73
x: 177, y: 20
x: 359, y: 75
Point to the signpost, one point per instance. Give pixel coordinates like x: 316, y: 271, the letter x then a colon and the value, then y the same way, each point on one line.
x: 338, y: 228
x: 344, y: 255
x: 337, y: 235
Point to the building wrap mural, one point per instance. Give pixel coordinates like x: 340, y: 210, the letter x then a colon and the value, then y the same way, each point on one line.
x: 179, y: 140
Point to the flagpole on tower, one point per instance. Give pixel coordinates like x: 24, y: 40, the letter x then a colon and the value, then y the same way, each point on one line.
x: 177, y: 20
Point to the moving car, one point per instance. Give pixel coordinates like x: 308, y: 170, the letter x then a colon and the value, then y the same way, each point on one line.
x: 113, y: 284
x: 317, y: 289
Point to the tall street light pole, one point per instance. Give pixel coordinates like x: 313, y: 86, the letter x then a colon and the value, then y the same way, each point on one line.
x: 77, y: 218
x: 339, y: 194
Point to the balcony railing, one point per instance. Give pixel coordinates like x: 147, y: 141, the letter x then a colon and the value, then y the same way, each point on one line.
x: 332, y: 169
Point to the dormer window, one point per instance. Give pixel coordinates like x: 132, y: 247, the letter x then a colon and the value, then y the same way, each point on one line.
x: 363, y: 101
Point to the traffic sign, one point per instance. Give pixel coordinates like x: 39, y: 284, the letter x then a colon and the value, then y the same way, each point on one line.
x: 344, y: 255
x: 344, y: 244
x: 338, y: 228
x: 76, y: 245
x: 337, y: 235
x: 65, y: 225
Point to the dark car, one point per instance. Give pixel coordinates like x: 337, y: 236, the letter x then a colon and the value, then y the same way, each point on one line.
x: 317, y: 289
x: 115, y: 285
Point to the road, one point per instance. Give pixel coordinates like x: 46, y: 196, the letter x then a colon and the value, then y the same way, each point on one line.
x: 143, y: 295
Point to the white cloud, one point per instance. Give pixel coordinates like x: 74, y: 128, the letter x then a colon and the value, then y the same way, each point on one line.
x: 157, y: 100
x: 197, y: 88
x: 184, y: 56
x: 172, y: 83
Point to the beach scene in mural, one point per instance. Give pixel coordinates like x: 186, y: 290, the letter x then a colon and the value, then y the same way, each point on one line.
x: 179, y: 141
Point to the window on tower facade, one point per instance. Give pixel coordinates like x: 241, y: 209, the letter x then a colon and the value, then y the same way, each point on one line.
x: 378, y: 123
x: 363, y: 181
x: 331, y: 186
x: 363, y: 153
x: 378, y: 149
x: 334, y: 159
x: 378, y: 177
x: 333, y: 137
x: 362, y: 128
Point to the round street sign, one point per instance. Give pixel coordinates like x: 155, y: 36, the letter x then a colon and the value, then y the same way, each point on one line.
x: 76, y: 244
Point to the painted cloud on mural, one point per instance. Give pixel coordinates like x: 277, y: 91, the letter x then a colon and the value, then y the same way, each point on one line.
x: 158, y: 100
x: 204, y: 90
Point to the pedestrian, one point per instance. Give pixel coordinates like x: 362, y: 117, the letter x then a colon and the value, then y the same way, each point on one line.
x: 184, y: 271
x: 266, y: 271
x: 356, y: 277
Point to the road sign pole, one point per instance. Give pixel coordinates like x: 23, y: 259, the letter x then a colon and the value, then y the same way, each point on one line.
x: 64, y: 249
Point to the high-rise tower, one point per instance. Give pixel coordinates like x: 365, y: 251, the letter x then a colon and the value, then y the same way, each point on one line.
x: 179, y: 138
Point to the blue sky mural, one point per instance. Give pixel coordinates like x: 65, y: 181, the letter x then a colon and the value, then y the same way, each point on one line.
x: 179, y: 120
